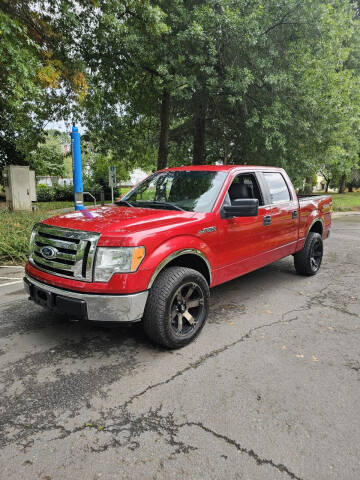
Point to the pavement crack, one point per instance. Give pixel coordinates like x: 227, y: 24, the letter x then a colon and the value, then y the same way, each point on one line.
x: 214, y: 353
x: 260, y: 461
x: 49, y: 425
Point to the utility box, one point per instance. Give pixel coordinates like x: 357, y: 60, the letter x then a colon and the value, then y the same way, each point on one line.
x: 20, y: 188
x: 32, y: 183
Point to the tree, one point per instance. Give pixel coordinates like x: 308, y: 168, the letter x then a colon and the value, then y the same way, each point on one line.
x: 48, y: 157
x: 253, y: 82
x: 39, y: 78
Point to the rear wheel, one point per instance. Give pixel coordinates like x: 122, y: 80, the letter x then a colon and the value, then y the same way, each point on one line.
x: 308, y: 260
x: 177, y: 307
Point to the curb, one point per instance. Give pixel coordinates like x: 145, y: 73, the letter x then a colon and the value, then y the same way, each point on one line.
x: 344, y: 214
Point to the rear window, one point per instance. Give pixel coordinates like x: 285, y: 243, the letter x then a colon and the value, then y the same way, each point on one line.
x: 279, y: 191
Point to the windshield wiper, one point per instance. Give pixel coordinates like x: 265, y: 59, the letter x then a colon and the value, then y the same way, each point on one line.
x: 165, y: 204
x: 124, y: 202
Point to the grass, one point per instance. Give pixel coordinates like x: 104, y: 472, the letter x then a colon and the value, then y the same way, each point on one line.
x: 343, y: 202
x: 15, y: 232
x: 51, y: 206
x: 15, y: 229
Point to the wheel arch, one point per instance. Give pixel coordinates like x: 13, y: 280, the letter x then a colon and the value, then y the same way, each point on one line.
x: 189, y: 257
x: 317, y: 226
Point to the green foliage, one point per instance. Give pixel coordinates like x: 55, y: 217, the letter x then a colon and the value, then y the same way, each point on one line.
x: 19, y: 92
x: 58, y: 193
x: 15, y: 234
x: 39, y: 77
x: 62, y: 193
x: 48, y: 158
x: 45, y: 193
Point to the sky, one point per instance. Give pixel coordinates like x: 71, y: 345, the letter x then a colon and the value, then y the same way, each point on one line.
x: 63, y: 126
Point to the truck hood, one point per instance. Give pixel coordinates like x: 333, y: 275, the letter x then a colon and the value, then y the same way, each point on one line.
x: 112, y: 219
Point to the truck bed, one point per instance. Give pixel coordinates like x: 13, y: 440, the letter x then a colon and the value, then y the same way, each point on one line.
x: 311, y: 196
x: 314, y: 207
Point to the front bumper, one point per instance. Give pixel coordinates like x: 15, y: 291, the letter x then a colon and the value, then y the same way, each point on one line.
x: 94, y: 307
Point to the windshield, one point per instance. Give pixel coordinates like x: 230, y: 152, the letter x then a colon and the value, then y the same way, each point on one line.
x: 190, y: 190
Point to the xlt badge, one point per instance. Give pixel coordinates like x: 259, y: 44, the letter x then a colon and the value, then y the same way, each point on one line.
x: 207, y: 230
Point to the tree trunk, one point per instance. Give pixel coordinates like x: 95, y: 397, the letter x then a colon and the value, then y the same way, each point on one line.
x: 199, y: 131
x: 350, y: 187
x: 326, y: 186
x: 342, y: 184
x: 164, y: 130
x: 308, y: 187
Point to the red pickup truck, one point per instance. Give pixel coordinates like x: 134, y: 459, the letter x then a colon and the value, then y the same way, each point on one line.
x: 154, y: 254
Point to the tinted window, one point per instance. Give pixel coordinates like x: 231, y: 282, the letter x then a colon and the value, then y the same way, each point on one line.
x: 245, y: 186
x: 278, y: 189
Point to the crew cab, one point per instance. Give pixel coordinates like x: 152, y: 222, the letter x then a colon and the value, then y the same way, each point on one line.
x: 154, y: 255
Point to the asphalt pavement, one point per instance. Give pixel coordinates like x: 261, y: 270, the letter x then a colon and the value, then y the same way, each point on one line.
x: 270, y: 390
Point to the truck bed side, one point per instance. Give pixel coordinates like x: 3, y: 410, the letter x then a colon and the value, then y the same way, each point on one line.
x: 314, y: 208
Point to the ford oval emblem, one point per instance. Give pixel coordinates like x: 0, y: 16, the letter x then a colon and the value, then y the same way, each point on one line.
x: 48, y: 252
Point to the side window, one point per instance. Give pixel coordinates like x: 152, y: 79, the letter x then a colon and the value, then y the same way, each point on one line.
x: 244, y: 186
x: 279, y: 191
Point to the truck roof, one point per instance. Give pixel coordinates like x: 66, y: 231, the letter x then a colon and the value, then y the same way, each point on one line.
x: 220, y: 168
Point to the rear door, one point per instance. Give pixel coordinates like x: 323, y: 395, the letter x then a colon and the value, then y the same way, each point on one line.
x: 284, y: 214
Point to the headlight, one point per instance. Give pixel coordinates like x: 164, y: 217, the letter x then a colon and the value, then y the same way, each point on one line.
x: 117, y: 260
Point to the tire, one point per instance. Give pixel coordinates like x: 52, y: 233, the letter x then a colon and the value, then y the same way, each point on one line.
x: 168, y: 319
x: 308, y: 260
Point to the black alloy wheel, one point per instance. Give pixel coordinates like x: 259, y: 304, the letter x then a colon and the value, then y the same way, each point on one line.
x: 177, y: 307
x: 308, y: 260
x: 187, y: 307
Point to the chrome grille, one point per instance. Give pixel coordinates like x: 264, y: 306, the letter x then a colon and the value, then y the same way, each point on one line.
x: 63, y: 252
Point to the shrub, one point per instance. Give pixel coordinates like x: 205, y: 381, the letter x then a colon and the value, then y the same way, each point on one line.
x: 63, y: 193
x: 45, y: 193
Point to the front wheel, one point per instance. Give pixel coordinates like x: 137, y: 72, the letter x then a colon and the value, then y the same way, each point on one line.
x: 308, y: 260
x: 177, y: 307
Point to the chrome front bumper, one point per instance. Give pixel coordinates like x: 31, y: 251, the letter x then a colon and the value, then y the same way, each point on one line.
x: 94, y: 307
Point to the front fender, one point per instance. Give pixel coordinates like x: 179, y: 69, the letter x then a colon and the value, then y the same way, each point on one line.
x: 173, y: 248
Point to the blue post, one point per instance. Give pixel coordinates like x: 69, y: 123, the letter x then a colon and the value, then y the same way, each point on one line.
x: 77, y: 169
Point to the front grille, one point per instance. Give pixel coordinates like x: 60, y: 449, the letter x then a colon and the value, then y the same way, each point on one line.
x: 64, y: 252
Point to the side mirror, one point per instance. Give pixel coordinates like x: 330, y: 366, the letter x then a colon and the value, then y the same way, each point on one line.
x: 242, y: 207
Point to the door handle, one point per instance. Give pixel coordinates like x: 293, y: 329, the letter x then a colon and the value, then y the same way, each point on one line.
x: 267, y: 219
x: 294, y: 214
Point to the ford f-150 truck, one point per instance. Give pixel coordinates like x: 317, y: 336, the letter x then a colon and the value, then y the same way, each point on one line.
x: 154, y: 254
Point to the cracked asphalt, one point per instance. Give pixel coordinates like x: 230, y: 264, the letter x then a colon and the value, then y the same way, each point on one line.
x: 270, y: 390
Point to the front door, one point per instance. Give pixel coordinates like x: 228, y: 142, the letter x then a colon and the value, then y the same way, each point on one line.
x: 245, y: 239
